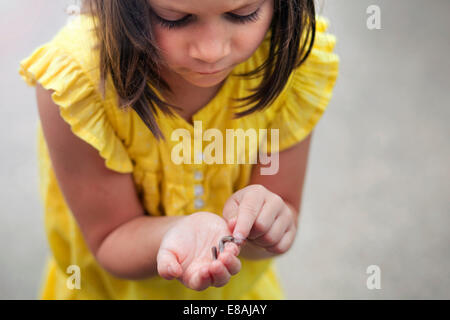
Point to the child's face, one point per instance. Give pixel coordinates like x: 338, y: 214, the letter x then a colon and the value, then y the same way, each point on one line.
x: 209, y: 36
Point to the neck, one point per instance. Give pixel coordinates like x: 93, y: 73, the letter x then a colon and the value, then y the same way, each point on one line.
x: 187, y: 96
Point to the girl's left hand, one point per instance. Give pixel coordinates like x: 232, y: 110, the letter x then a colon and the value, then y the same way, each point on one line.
x: 261, y: 216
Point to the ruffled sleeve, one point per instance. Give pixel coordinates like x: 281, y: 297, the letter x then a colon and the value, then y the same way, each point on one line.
x: 80, y: 103
x: 307, y: 94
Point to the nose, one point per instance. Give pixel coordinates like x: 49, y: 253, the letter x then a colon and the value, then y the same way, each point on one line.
x: 209, y: 45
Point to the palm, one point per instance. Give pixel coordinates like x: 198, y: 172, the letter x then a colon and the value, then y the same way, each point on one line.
x: 190, y: 241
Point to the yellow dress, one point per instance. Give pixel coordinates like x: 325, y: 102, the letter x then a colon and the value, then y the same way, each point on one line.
x: 67, y: 65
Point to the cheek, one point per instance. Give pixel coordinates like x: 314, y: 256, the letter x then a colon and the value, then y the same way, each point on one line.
x: 246, y: 43
x: 168, y: 43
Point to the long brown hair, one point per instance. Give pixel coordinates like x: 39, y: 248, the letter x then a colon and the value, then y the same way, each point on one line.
x: 130, y: 55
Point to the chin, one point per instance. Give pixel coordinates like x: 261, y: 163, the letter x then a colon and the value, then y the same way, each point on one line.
x: 206, y: 81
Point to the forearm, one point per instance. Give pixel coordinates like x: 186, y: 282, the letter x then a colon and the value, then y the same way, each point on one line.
x: 130, y: 251
x: 254, y: 252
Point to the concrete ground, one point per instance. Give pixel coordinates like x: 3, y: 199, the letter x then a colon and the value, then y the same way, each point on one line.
x: 377, y: 189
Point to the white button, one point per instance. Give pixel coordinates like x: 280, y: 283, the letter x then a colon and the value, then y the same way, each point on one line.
x: 198, y: 203
x: 199, y: 156
x: 198, y: 190
x: 198, y: 175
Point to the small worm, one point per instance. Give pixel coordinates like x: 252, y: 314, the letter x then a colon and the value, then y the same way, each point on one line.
x: 221, y: 246
x: 223, y: 241
x: 214, y: 253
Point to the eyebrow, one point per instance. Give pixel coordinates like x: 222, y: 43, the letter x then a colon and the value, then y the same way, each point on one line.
x: 173, y: 9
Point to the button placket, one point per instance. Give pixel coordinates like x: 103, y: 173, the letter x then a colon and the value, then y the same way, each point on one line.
x: 198, y: 189
x: 200, y: 157
x: 199, y: 203
x: 198, y: 174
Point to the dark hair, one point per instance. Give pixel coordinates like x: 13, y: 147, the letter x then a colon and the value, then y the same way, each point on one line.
x: 129, y: 54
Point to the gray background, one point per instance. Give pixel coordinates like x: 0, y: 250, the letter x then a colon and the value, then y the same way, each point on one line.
x: 377, y: 188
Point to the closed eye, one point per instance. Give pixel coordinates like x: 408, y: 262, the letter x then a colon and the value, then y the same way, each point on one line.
x: 169, y: 24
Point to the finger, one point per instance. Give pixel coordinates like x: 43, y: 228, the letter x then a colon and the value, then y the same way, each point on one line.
x: 231, y: 262
x: 230, y: 209
x: 285, y: 242
x: 275, y: 233
x: 232, y: 224
x: 232, y: 248
x: 219, y: 273
x: 167, y: 265
x: 201, y: 279
x: 248, y: 211
x: 269, y: 212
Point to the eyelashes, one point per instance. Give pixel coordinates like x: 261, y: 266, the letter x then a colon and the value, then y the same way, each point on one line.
x: 253, y: 17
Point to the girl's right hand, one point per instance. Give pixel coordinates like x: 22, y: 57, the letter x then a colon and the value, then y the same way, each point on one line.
x: 185, y: 252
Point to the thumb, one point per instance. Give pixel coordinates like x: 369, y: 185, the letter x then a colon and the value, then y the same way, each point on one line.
x: 168, y: 266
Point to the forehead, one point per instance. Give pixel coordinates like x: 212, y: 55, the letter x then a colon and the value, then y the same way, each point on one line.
x: 202, y: 6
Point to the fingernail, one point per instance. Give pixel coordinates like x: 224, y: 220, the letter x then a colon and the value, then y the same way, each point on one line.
x: 238, y: 238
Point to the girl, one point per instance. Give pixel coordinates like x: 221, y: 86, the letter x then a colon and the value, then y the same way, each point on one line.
x: 123, y: 219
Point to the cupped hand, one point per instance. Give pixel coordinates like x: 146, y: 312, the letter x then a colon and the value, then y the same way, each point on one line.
x: 185, y: 252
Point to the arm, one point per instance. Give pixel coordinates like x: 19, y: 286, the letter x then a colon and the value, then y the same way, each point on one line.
x: 130, y: 250
x: 287, y: 183
x: 104, y: 203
